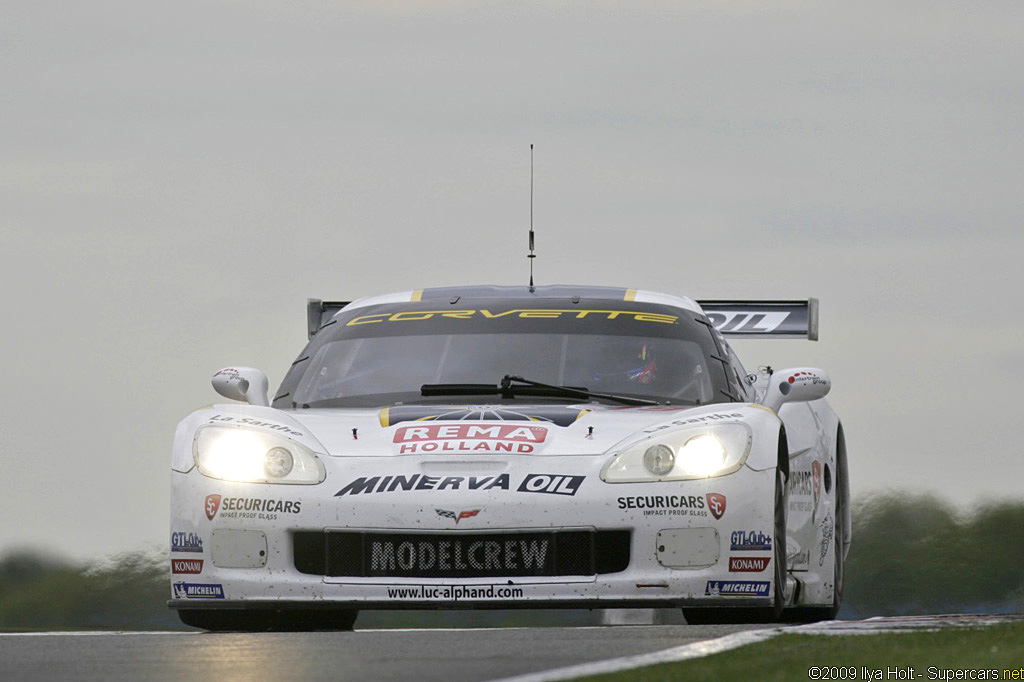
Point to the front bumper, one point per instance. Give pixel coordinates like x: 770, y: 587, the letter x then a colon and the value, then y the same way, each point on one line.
x: 239, y: 546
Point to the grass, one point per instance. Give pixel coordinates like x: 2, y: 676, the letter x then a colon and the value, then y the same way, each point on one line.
x: 932, y: 655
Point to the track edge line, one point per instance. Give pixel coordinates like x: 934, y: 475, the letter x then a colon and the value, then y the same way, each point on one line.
x: 683, y: 652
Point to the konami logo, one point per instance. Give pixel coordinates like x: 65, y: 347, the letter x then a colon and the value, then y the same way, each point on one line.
x: 753, y: 564
x: 462, y: 437
x: 188, y: 566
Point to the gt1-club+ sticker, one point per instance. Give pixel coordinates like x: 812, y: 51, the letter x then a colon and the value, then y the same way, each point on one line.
x: 750, y: 541
x: 186, y: 542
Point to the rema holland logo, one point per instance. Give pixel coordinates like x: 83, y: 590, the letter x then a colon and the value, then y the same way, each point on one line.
x: 462, y: 437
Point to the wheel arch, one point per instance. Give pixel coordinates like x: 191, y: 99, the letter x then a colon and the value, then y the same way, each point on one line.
x: 783, y: 461
x: 843, y: 489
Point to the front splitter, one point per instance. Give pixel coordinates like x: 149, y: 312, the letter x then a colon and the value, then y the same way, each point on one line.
x: 282, y: 605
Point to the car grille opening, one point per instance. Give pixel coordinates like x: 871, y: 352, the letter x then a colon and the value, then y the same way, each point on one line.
x: 370, y: 554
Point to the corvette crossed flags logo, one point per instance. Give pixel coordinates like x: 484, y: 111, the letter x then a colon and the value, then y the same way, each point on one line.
x: 459, y: 516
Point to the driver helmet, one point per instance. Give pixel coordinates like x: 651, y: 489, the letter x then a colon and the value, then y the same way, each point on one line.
x: 633, y: 364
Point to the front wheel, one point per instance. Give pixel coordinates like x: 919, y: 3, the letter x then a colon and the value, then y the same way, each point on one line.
x: 765, y: 614
x: 812, y: 614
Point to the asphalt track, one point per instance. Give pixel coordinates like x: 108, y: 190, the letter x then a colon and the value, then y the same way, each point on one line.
x: 455, y: 655
x: 449, y: 655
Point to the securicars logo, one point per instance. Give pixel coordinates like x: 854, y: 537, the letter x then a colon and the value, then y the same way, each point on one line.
x: 249, y: 507
x: 211, y: 506
x: 716, y: 503
x: 462, y: 437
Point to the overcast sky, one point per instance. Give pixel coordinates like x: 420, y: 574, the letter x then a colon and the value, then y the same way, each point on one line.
x: 177, y: 178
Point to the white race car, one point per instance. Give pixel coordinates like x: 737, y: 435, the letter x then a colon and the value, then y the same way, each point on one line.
x: 514, y: 447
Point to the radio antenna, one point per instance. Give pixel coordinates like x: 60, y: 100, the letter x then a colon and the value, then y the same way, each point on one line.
x: 531, y: 255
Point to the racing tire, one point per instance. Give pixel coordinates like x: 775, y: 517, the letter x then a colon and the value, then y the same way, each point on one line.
x: 765, y: 614
x: 813, y: 614
x: 259, y: 620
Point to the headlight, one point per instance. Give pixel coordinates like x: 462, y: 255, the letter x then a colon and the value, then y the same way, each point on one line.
x: 239, y: 454
x: 682, y: 454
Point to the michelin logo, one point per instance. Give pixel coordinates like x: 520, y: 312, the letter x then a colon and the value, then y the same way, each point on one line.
x: 736, y: 588
x: 198, y: 591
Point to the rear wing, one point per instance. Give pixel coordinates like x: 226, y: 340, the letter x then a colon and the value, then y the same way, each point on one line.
x: 740, y: 319
x: 319, y: 313
x: 764, y: 319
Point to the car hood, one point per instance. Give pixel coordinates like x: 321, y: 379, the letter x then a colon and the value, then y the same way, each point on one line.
x: 541, y: 430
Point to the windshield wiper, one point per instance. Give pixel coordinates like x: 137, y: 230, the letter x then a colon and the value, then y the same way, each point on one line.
x: 508, y: 387
x: 573, y: 392
x: 459, y: 389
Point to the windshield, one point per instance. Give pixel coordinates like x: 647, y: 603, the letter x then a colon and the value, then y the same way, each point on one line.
x: 384, y: 354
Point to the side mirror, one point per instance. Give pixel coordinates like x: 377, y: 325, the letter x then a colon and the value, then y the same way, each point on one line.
x: 796, y: 385
x: 242, y: 383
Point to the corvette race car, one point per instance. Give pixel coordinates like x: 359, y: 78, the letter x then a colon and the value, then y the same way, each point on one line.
x: 514, y: 447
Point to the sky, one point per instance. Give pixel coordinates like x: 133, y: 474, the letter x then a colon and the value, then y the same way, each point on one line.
x: 177, y: 178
